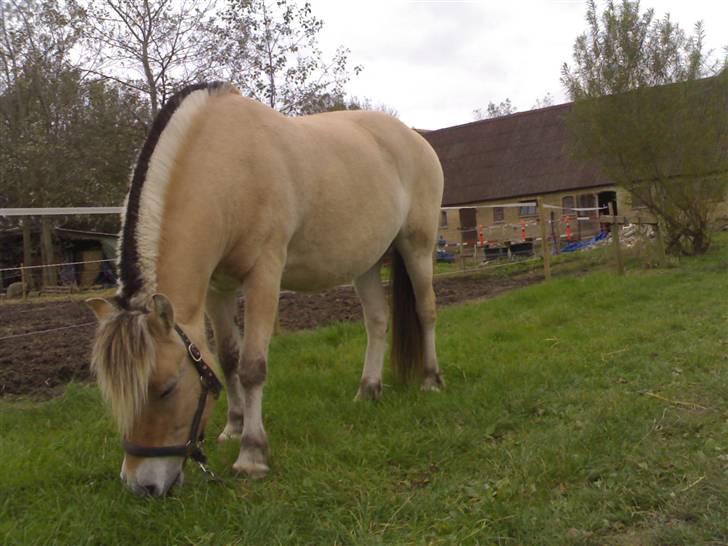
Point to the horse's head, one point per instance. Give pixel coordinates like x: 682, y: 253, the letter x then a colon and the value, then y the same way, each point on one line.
x: 141, y: 365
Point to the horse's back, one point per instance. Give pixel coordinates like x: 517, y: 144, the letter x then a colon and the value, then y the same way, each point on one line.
x: 335, y: 189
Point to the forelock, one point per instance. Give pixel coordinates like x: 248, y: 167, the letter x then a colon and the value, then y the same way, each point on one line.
x: 123, y: 359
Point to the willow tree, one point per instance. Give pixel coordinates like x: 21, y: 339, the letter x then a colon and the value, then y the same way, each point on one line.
x: 651, y: 108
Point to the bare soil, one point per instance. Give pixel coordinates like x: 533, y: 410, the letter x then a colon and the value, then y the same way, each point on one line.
x: 40, y: 364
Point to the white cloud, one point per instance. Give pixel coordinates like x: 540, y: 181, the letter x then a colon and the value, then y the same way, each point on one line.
x: 436, y: 61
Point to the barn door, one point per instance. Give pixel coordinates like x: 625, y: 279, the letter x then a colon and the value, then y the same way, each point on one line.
x: 468, y: 225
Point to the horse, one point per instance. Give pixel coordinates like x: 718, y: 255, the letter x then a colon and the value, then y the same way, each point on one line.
x: 230, y: 196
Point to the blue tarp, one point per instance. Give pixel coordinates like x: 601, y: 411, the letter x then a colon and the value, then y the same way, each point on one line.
x: 573, y: 247
x: 443, y: 256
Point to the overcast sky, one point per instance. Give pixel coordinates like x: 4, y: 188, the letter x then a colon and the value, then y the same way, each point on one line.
x: 435, y: 61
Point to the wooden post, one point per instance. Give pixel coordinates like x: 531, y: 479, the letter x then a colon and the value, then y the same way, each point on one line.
x: 661, y: 257
x: 50, y: 275
x: 23, y: 280
x: 578, y: 226
x: 462, y: 249
x: 615, y: 242
x: 27, y: 252
x: 555, y: 240
x: 545, y: 246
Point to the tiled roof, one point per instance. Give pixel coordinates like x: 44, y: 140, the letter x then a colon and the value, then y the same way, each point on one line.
x: 520, y: 154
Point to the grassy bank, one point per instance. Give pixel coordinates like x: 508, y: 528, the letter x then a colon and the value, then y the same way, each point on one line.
x: 591, y: 410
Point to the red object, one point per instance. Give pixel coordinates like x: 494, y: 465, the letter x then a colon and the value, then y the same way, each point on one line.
x: 523, y: 230
x: 568, y: 228
x: 480, y: 235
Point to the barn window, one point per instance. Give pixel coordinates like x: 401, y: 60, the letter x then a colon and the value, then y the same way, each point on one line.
x: 499, y: 215
x: 443, y: 218
x: 567, y: 203
x: 528, y: 208
x: 587, y: 201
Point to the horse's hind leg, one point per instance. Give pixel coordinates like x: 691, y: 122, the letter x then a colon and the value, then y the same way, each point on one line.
x: 418, y: 261
x: 374, y: 303
x: 222, y: 309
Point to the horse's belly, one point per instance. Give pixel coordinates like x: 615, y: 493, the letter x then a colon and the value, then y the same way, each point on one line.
x: 337, y: 260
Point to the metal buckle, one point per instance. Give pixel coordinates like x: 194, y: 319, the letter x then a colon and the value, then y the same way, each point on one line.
x: 194, y: 352
x: 207, y: 471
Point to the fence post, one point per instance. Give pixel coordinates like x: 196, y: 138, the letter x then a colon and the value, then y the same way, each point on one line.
x: 615, y: 241
x: 555, y: 241
x: 545, y: 246
x: 661, y: 257
x: 462, y: 249
x: 50, y: 277
x: 23, y: 280
x: 27, y: 251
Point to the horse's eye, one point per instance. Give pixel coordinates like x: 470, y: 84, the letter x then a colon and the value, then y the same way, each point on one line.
x: 168, y: 390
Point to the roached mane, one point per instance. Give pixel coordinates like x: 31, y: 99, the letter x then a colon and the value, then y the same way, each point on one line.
x: 123, y: 355
x: 144, y: 206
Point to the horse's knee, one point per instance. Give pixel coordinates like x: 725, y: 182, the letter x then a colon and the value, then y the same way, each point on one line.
x: 252, y: 372
x: 377, y: 325
x: 427, y: 315
x: 228, y: 354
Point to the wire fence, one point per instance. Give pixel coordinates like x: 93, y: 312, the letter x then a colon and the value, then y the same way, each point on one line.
x: 481, y: 249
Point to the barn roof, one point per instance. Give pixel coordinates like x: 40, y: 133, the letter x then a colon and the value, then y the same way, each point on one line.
x: 512, y: 156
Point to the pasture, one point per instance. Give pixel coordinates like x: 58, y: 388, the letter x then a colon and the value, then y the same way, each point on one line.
x: 589, y: 410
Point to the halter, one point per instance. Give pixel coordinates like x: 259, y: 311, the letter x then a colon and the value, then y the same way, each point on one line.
x: 191, y: 449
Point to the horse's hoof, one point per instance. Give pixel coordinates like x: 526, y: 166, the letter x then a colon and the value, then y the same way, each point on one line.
x: 255, y: 471
x: 253, y: 458
x: 227, y: 435
x: 369, y: 390
x: 433, y: 382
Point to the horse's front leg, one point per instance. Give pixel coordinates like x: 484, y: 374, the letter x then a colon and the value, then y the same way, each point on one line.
x: 261, y: 289
x: 222, y: 309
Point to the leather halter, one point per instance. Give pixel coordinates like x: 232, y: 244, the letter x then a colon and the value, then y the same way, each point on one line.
x: 191, y: 449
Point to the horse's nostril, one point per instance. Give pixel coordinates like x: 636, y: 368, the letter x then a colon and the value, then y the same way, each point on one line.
x: 151, y: 489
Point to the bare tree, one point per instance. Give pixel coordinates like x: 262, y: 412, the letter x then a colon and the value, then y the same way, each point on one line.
x: 270, y: 50
x: 494, y: 110
x: 151, y: 46
x: 355, y: 103
x: 543, y: 102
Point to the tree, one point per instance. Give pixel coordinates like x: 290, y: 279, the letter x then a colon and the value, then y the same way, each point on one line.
x: 152, y: 47
x: 544, y: 102
x: 643, y: 112
x: 355, y: 103
x: 270, y: 50
x: 493, y: 110
x: 64, y: 140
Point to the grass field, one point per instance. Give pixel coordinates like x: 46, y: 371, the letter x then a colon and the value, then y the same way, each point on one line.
x: 591, y: 410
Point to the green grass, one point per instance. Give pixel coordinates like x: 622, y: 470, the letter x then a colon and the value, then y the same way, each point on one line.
x: 591, y: 410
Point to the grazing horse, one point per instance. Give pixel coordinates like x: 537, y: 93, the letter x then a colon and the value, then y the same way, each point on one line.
x: 229, y: 195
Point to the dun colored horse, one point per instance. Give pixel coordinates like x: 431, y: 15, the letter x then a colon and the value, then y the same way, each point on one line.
x: 229, y: 195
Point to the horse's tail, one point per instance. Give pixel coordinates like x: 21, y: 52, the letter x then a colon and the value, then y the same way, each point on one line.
x: 407, y: 353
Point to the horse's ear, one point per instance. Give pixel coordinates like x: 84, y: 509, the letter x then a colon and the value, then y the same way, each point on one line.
x: 162, y: 313
x: 101, y: 307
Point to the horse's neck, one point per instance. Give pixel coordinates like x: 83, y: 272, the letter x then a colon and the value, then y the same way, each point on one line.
x: 187, y: 257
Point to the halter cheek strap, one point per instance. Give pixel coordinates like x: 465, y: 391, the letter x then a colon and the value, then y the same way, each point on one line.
x: 191, y: 449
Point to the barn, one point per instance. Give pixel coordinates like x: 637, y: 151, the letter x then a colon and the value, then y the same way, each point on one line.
x: 496, y: 169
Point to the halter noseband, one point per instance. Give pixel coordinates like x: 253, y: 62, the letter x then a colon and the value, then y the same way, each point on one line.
x: 191, y: 449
